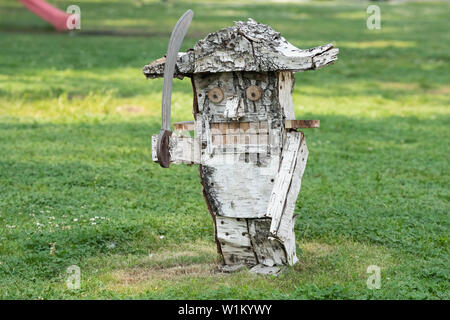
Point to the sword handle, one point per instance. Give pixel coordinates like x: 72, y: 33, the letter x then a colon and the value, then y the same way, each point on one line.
x: 162, y: 148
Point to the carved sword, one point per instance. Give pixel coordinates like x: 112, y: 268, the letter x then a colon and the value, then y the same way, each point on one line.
x: 176, y: 38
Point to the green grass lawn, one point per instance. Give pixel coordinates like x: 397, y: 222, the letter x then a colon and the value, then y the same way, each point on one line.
x: 78, y: 187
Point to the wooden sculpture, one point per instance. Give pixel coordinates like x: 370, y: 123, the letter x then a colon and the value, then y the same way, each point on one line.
x: 250, y: 155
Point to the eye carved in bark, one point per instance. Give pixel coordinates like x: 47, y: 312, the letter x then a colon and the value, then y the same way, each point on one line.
x: 215, y: 95
x: 253, y: 93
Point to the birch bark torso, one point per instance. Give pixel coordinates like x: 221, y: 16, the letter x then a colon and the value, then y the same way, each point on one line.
x: 240, y: 163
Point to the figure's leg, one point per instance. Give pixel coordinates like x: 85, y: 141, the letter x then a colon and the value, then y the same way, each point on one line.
x: 247, y: 242
x: 269, y: 251
x: 234, y: 241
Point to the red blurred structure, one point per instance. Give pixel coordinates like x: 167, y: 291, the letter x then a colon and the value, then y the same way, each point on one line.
x: 48, y: 13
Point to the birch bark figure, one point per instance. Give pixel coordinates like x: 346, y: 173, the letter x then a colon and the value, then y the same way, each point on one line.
x: 250, y: 155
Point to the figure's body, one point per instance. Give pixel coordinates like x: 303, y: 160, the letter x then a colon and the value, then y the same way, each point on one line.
x: 251, y: 157
x: 240, y: 167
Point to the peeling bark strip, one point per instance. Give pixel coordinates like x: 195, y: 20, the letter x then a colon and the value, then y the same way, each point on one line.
x: 234, y: 108
x: 287, y: 186
x: 269, y: 251
x: 246, y: 46
x: 234, y: 240
x: 283, y: 179
x: 183, y: 67
x: 285, y: 231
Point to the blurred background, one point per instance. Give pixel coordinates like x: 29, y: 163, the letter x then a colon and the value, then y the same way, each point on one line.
x: 77, y: 185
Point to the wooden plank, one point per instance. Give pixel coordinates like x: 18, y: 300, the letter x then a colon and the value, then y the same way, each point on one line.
x: 269, y: 252
x: 244, y: 126
x: 234, y: 241
x: 298, y: 124
x: 285, y: 87
x: 289, y: 244
x: 283, y: 178
x: 284, y: 230
x: 240, y: 189
x: 281, y: 209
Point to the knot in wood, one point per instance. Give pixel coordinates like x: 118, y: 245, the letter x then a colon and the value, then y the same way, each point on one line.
x: 215, y: 95
x: 253, y: 93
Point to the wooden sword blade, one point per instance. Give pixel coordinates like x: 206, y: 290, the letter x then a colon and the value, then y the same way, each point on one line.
x: 178, y: 33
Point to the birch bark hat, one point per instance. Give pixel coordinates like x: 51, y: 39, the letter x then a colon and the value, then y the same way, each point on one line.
x: 246, y: 46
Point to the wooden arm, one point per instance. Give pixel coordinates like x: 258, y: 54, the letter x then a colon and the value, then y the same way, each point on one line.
x: 289, y: 124
x: 299, y: 124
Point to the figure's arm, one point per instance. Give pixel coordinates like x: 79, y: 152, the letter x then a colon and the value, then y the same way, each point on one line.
x: 182, y: 147
x: 287, y: 186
